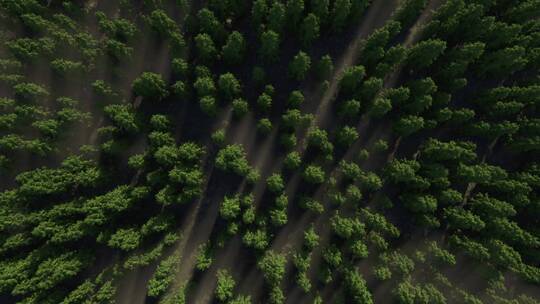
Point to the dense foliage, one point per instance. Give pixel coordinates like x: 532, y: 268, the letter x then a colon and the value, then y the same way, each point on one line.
x: 269, y: 151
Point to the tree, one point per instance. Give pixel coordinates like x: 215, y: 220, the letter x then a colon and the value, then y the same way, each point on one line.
x: 356, y: 288
x: 296, y: 98
x: 264, y: 102
x: 392, y: 59
x: 150, y: 85
x: 459, y: 218
x: 208, y: 105
x: 65, y: 67
x: 420, y: 203
x: 482, y: 173
x: 257, y: 239
x: 349, y: 108
x: 376, y: 44
x: 27, y: 49
x: 241, y: 300
x: 424, y: 53
x: 504, y: 255
x: 347, y: 136
x: 320, y: 9
x: 437, y: 151
x: 228, y: 8
x: 229, y: 86
x: 398, y: 96
x: 351, y: 79
x: 103, y: 89
x: 179, y: 89
x: 275, y: 183
x: 358, y: 7
x: 180, y: 67
x: 292, y: 161
x: 259, y: 11
x: 313, y: 174
x: 273, y: 267
x: 318, y: 138
x: 230, y: 207
x: 118, y: 28
x: 276, y: 295
x: 116, y: 49
x: 301, y: 260
x: 293, y: 119
x: 204, y: 86
x: 218, y: 137
x: 163, y: 276
x: 346, y: 228
x: 204, y: 258
x: 28, y: 91
x: 269, y: 45
x: 234, y: 49
x: 299, y: 66
x: 370, y: 181
x: 303, y: 282
x: 408, y: 125
x: 310, y: 29
x: 325, y: 67
x: 311, y: 238
x: 276, y: 17
x: 402, y: 171
x: 409, y: 11
x: 264, y: 126
x: 225, y: 286
x: 233, y: 158
x: 162, y: 24
x: 125, y: 239
x: 295, y: 9
x: 209, y: 24
x: 312, y: 205
x: 123, y: 117
x: 380, y: 107
x: 206, y: 49
x: 288, y: 140
x: 333, y: 256
x: 340, y: 14
x: 278, y: 216
x: 240, y: 107
x: 406, y: 292
x: 36, y: 23
x: 502, y: 62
